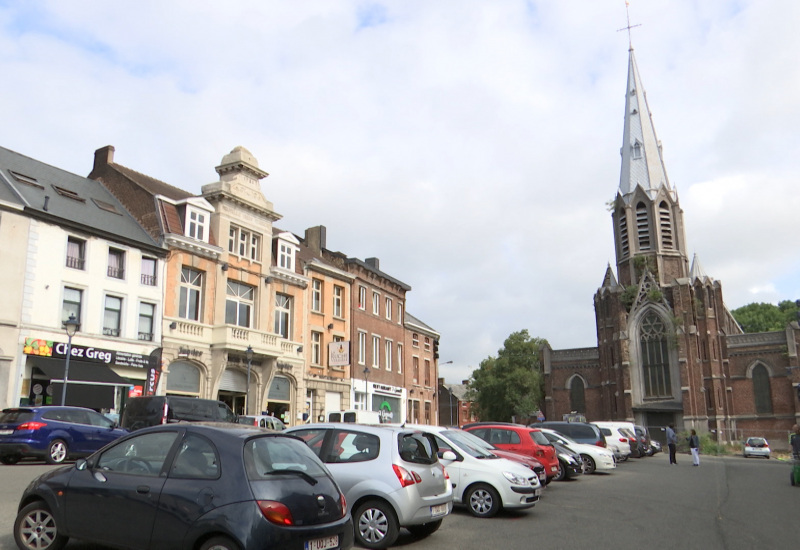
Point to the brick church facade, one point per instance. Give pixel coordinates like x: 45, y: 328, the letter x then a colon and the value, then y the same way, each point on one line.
x: 668, y: 350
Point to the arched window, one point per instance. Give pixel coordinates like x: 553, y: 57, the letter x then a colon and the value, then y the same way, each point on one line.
x: 183, y: 377
x: 761, y: 389
x: 642, y: 226
x: 655, y: 357
x: 577, y: 395
x: 665, y: 220
x: 623, y: 233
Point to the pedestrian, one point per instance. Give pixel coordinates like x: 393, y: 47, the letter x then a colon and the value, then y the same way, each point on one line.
x: 794, y: 441
x: 694, y: 445
x: 672, y: 442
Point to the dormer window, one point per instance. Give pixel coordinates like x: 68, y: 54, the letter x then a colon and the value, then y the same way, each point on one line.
x: 196, y: 224
x: 287, y: 248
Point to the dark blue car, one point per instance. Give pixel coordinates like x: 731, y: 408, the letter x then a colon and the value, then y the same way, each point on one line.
x: 189, y: 486
x: 53, y: 433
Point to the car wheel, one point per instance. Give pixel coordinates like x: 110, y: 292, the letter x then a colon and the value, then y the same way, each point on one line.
x: 375, y: 525
x: 219, y: 543
x: 57, y: 452
x: 482, y: 501
x: 10, y: 459
x: 562, y: 473
x: 35, y: 529
x: 588, y: 464
x: 424, y: 530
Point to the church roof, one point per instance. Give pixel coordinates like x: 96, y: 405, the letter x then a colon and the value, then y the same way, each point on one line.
x: 609, y: 281
x: 642, y: 164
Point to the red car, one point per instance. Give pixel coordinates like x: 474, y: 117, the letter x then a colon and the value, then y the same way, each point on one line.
x: 519, y: 439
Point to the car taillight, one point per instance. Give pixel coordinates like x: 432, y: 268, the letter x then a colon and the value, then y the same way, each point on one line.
x: 623, y: 440
x: 406, y: 478
x: 276, y: 512
x: 343, y: 502
x: 766, y: 444
x: 601, y: 443
x: 444, y: 471
x: 33, y: 425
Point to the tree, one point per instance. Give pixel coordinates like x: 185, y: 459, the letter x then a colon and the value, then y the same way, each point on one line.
x: 761, y: 317
x: 511, y: 384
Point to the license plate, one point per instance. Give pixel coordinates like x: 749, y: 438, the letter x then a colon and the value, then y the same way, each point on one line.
x: 325, y: 543
x: 6, y: 432
x: 439, y: 510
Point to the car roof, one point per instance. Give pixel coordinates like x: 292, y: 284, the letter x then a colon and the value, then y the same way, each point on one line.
x: 501, y: 425
x: 367, y: 428
x: 220, y: 429
x: 46, y: 408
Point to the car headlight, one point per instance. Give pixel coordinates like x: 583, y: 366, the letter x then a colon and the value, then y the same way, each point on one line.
x: 567, y: 458
x: 516, y: 479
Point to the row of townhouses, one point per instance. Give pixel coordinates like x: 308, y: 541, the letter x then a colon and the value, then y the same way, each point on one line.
x: 119, y: 285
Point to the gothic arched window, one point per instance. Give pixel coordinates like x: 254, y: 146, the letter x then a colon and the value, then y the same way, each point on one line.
x: 577, y: 395
x: 665, y: 221
x: 655, y: 357
x: 761, y: 389
x: 642, y: 226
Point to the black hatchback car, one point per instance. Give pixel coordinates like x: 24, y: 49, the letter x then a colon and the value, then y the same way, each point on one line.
x: 193, y: 486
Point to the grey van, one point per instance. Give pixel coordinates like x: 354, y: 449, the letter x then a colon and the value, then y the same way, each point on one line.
x: 141, y: 412
x: 582, y: 432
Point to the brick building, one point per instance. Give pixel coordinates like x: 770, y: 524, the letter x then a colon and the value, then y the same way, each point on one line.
x: 668, y: 350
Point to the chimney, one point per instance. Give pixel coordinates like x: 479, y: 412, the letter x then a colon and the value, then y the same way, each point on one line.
x: 374, y: 263
x: 316, y: 238
x: 103, y: 157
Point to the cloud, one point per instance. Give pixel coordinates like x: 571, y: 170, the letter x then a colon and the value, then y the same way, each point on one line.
x: 470, y: 145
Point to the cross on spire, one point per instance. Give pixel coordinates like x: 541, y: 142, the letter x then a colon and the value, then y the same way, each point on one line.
x: 629, y: 27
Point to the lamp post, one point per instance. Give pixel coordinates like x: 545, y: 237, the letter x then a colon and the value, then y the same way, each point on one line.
x: 366, y: 389
x: 71, y: 325
x: 249, y: 354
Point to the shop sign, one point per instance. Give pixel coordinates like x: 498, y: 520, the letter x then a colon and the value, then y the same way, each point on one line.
x: 50, y: 348
x: 338, y: 354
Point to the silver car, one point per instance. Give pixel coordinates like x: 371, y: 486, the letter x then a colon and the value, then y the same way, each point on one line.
x: 390, y: 476
x: 756, y: 446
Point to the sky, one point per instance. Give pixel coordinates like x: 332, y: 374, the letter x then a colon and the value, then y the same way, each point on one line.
x: 471, y: 145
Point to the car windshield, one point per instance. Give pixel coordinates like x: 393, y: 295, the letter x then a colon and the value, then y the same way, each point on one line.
x: 468, y: 443
x: 756, y: 441
x: 563, y: 439
x: 16, y: 415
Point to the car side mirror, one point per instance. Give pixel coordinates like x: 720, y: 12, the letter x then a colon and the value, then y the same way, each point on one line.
x: 447, y: 456
x: 81, y: 464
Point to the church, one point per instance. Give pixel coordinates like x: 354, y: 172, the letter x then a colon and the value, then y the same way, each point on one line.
x: 668, y: 349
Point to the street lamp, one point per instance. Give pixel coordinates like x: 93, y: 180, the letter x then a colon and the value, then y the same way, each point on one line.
x: 366, y: 389
x: 249, y: 354
x: 71, y: 325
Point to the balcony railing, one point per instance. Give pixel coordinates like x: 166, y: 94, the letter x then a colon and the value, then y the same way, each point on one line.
x: 149, y: 280
x: 116, y: 272
x: 75, y: 262
x: 110, y: 332
x: 147, y: 336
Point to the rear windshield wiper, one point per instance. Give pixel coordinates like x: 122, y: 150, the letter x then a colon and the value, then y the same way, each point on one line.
x: 311, y: 480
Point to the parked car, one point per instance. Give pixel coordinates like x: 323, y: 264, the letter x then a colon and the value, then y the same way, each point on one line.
x: 526, y: 460
x: 615, y: 441
x: 582, y: 432
x: 570, y: 464
x: 390, y: 476
x: 54, y: 434
x: 519, y: 439
x: 482, y: 481
x: 644, y: 439
x: 153, y: 410
x: 593, y: 457
x: 655, y: 445
x: 263, y: 421
x: 637, y: 447
x: 756, y: 446
x: 189, y: 486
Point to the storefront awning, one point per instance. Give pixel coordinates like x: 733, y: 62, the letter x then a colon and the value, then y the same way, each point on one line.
x: 80, y: 372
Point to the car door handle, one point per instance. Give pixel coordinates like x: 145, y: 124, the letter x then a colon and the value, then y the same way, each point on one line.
x: 143, y: 489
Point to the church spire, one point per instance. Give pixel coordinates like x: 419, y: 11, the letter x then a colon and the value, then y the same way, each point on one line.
x: 642, y: 164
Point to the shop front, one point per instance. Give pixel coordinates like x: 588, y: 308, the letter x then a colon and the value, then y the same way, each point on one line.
x: 279, y: 399
x: 97, y: 378
x: 388, y: 401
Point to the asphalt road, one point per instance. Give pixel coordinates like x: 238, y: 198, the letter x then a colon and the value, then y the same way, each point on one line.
x: 727, y: 503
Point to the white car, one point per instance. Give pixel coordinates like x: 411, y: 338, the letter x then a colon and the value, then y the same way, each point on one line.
x: 482, y: 481
x: 594, y: 458
x: 615, y: 440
